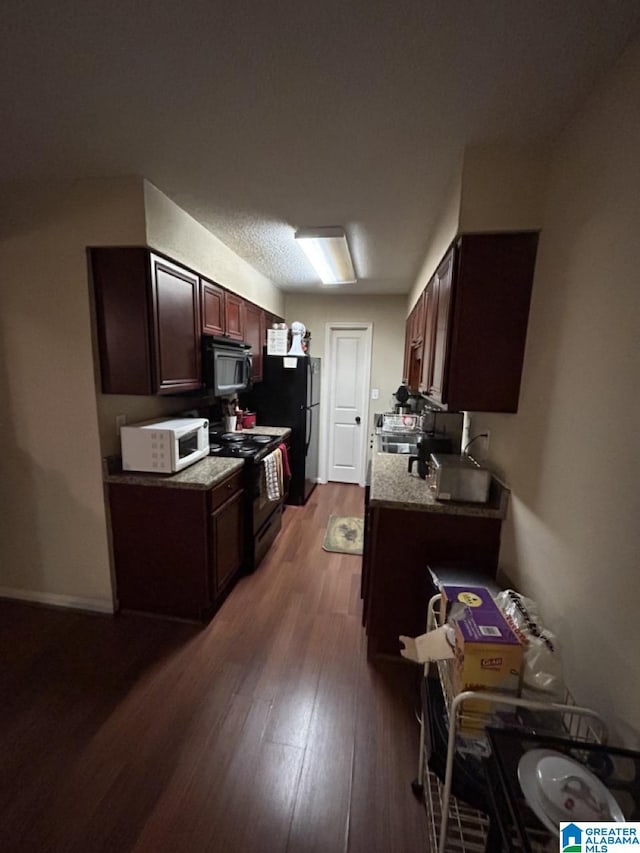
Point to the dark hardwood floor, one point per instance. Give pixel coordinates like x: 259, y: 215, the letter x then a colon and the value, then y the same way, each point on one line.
x: 266, y: 730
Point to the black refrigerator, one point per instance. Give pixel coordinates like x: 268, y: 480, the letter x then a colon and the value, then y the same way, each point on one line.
x: 290, y: 396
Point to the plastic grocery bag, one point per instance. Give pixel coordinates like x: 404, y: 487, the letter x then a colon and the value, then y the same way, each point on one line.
x: 542, y: 671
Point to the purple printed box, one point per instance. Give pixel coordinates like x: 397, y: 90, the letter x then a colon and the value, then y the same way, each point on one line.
x: 488, y: 654
x: 475, y: 597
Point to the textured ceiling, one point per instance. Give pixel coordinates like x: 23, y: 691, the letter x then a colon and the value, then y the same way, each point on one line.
x: 262, y: 117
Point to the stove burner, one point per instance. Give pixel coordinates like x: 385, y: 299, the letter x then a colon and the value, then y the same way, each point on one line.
x: 240, y: 445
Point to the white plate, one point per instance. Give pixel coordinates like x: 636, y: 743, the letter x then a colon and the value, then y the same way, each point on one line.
x: 532, y: 780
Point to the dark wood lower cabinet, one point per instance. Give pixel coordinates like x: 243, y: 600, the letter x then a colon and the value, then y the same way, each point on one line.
x: 227, y: 536
x: 176, y: 551
x: 400, y: 546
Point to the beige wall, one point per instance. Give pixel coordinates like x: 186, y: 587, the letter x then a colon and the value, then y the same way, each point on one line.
x: 495, y: 187
x: 53, y: 541
x: 503, y: 188
x: 171, y: 230
x: 55, y: 424
x: 571, y: 453
x: 441, y: 236
x: 387, y: 313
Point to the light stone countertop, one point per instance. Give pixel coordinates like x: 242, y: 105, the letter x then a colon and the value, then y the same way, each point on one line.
x: 393, y: 487
x: 201, y: 475
x: 204, y: 474
x: 283, y: 432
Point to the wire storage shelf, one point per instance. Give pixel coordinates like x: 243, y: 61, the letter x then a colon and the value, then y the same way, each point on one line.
x: 454, y: 825
x: 468, y: 827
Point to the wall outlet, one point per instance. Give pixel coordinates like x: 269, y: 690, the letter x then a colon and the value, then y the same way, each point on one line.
x: 120, y: 422
x: 375, y: 393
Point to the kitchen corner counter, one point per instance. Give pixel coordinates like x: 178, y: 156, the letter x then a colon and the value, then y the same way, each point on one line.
x: 393, y: 487
x: 204, y: 474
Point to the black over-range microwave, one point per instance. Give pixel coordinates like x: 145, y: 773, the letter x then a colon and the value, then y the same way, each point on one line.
x: 226, y: 366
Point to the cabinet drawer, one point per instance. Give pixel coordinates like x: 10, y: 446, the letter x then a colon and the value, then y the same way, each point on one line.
x: 225, y: 490
x: 267, y: 534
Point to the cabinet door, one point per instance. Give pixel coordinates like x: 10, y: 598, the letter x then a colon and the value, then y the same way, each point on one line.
x: 407, y: 351
x: 493, y: 277
x: 234, y: 316
x: 254, y: 334
x: 212, y: 308
x: 428, y: 337
x: 418, y: 320
x: 442, y: 300
x: 227, y: 537
x: 160, y: 549
x: 122, y: 299
x: 176, y: 325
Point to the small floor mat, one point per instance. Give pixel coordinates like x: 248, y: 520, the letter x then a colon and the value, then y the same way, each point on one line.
x: 344, y: 534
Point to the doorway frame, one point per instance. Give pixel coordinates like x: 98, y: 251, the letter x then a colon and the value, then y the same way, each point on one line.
x: 329, y: 327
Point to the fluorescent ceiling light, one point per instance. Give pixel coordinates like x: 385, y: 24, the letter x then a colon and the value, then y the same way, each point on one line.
x: 328, y: 251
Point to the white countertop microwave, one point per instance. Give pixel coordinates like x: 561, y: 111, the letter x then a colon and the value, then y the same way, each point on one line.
x: 164, y: 447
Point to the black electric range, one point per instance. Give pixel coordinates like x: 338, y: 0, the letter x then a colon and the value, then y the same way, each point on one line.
x: 263, y: 516
x: 242, y: 445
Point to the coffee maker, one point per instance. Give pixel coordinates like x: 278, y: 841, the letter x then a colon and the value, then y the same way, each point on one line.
x: 441, y: 433
x: 426, y: 445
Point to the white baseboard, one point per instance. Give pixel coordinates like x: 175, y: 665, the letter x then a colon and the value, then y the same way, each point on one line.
x: 72, y: 602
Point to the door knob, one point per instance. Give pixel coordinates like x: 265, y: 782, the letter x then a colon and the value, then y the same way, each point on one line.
x: 357, y: 419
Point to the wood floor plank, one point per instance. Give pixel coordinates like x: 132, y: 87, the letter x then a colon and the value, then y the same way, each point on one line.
x: 265, y: 730
x: 321, y: 817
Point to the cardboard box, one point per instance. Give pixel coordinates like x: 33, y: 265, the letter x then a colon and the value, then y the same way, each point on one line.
x: 478, y: 649
x: 478, y: 598
x: 488, y: 655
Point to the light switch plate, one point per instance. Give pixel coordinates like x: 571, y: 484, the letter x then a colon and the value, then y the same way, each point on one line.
x: 375, y: 393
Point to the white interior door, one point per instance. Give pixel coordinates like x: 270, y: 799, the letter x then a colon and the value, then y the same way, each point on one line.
x: 349, y: 366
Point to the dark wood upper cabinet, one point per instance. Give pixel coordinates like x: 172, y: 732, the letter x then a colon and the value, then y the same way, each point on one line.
x: 212, y: 308
x: 407, y: 351
x: 441, y: 301
x: 475, y: 315
x: 234, y: 316
x: 148, y: 322
x: 123, y: 315
x: 223, y: 313
x: 176, y: 326
x: 414, y: 350
x: 429, y: 319
x: 151, y: 314
x: 254, y: 335
x: 417, y: 327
